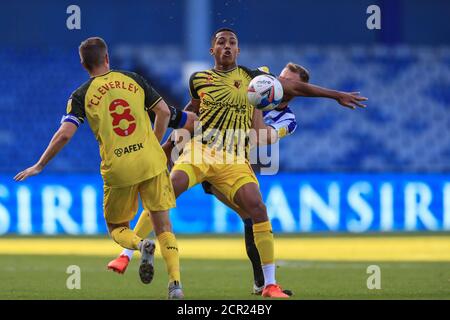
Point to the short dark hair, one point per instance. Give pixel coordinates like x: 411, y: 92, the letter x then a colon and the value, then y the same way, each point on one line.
x: 302, y: 72
x: 213, y: 37
x: 92, y: 52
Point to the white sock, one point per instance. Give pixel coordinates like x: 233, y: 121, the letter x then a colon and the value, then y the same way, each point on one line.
x: 269, y: 274
x: 128, y: 253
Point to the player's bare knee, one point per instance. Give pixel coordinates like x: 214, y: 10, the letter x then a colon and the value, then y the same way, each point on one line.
x: 163, y: 227
x: 161, y: 222
x: 257, y: 211
x: 243, y: 214
x: 180, y: 181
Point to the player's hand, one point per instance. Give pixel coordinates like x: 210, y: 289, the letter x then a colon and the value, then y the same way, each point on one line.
x: 31, y: 171
x: 351, y: 99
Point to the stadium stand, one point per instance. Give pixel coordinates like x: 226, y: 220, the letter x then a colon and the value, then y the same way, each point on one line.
x: 403, y: 129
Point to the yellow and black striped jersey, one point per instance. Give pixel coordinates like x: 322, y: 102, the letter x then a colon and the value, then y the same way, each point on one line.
x: 225, y: 112
x: 116, y: 105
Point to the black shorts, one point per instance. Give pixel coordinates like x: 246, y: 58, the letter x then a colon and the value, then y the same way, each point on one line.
x: 207, y: 187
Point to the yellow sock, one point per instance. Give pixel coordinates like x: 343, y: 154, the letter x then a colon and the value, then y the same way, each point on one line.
x: 126, y: 238
x: 264, y: 241
x: 144, y: 225
x: 169, y: 251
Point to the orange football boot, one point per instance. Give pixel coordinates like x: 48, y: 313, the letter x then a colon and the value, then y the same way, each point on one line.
x: 119, y: 264
x: 274, y: 291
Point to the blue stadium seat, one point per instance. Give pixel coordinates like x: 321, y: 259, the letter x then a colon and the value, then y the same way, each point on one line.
x: 405, y: 127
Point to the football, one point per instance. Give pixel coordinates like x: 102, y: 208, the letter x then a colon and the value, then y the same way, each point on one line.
x: 265, y: 92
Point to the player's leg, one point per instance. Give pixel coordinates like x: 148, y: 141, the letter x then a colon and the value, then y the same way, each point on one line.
x: 123, y: 235
x: 158, y: 197
x: 143, y: 228
x: 120, y: 205
x: 186, y: 173
x: 239, y: 184
x: 180, y: 181
x: 169, y: 251
x: 250, y: 247
x: 144, y: 225
x: 249, y: 199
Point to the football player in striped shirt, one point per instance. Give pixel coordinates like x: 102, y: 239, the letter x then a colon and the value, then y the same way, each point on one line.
x: 283, y: 121
x: 226, y: 118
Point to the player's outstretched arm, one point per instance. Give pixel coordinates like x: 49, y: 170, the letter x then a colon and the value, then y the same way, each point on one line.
x: 59, y: 140
x: 162, y: 117
x: 301, y: 89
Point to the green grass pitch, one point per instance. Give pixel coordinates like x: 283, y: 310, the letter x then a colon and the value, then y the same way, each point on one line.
x: 44, y: 277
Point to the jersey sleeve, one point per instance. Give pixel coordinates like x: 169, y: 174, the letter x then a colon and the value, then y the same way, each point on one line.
x: 75, y: 111
x: 152, y: 97
x: 283, y: 121
x: 177, y: 120
x: 257, y: 72
x: 192, y: 89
